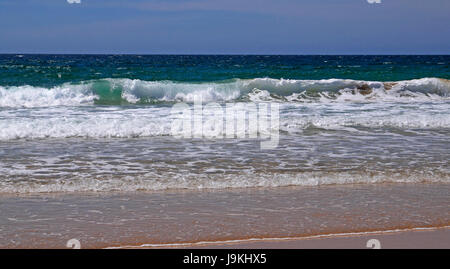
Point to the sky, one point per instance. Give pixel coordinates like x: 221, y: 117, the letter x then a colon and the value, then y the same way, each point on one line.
x: 225, y: 26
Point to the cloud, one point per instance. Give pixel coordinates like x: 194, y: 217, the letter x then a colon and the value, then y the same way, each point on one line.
x: 74, y: 1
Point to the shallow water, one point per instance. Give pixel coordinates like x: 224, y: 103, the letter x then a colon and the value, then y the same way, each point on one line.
x: 134, y: 219
x: 320, y: 158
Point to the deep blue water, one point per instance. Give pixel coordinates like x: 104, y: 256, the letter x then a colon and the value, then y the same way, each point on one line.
x: 51, y: 70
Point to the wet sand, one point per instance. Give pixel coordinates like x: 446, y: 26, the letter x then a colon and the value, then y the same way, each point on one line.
x: 429, y: 238
x: 162, y: 219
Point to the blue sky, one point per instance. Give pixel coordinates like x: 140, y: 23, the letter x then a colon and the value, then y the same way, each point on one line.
x: 225, y: 27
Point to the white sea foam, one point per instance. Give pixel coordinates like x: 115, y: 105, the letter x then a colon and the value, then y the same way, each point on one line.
x: 66, y: 122
x: 118, y: 122
x: 155, y: 182
x: 259, y: 89
x: 28, y: 96
x: 340, y: 116
x: 341, y: 90
x: 66, y: 111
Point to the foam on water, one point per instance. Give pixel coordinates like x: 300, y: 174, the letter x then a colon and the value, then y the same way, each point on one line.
x: 128, y: 91
x: 29, y: 97
x: 373, y: 115
x: 153, y: 182
x: 110, y: 122
x: 63, y: 123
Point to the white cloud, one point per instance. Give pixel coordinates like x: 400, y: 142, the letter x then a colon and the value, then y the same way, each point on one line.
x: 74, y: 1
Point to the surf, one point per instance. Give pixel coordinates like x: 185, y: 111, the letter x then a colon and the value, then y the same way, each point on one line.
x: 124, y: 91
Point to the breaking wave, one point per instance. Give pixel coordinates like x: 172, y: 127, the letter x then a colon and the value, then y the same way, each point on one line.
x: 128, y: 91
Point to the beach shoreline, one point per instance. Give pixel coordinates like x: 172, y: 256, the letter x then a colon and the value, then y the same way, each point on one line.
x: 230, y: 218
x: 415, y: 238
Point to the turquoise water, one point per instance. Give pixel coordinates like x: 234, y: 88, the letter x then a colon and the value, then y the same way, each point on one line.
x: 71, y: 123
x: 52, y: 70
x: 149, y: 79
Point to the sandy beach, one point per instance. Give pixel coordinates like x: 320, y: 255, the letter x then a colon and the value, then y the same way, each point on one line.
x: 427, y: 238
x: 188, y: 218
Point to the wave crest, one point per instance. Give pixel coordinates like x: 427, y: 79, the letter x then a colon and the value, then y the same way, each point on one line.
x: 128, y: 91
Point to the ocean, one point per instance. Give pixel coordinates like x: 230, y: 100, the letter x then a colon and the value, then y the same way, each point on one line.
x: 72, y: 123
x: 87, y: 125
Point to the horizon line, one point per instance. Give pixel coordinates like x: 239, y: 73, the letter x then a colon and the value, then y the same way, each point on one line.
x: 228, y: 54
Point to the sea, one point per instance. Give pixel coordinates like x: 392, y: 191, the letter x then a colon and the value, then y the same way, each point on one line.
x: 77, y: 125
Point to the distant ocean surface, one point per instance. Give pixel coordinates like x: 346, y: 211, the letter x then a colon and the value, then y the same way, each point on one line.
x: 77, y: 123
